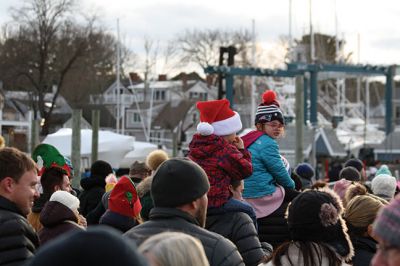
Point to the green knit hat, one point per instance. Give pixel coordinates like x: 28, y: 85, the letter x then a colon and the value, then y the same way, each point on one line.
x: 383, y: 170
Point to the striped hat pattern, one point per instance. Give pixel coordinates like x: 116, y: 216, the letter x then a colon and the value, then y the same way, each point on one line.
x: 269, y: 109
x: 387, y: 223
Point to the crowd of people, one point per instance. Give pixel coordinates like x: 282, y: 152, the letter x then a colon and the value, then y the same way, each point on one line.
x: 232, y: 201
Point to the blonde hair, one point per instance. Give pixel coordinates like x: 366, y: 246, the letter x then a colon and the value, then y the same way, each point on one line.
x: 175, y: 249
x: 361, y: 211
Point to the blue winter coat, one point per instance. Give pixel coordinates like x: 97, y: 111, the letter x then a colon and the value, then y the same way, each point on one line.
x: 268, y: 169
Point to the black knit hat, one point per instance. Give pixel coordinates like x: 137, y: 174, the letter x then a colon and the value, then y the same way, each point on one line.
x: 356, y: 163
x: 350, y: 173
x: 98, y: 246
x: 177, y: 182
x: 100, y: 169
x: 316, y: 216
x: 269, y: 109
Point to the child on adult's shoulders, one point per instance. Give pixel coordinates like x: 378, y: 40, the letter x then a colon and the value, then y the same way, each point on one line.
x: 220, y: 152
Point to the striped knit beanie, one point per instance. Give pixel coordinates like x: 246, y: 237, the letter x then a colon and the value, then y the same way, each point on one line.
x: 387, y: 224
x: 269, y: 109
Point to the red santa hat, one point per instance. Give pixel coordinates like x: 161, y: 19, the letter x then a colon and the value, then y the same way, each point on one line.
x: 124, y: 199
x: 216, y: 117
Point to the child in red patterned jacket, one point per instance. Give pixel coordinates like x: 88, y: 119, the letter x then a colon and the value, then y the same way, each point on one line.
x: 221, y: 153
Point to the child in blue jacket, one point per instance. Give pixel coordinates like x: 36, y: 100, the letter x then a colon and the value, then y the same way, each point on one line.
x: 266, y: 188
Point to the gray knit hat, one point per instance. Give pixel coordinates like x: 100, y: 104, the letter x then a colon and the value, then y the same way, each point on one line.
x: 177, y: 182
x: 384, y: 186
x: 350, y: 173
x: 387, y: 223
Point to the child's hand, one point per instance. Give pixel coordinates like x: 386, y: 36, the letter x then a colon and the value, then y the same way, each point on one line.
x: 238, y: 142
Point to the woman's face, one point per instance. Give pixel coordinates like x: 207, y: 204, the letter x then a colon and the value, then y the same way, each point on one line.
x: 274, y: 129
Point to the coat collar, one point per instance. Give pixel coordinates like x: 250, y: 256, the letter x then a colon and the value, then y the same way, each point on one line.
x: 8, y: 205
x: 168, y: 213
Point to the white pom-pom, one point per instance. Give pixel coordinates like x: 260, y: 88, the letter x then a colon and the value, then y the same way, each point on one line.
x: 205, y: 129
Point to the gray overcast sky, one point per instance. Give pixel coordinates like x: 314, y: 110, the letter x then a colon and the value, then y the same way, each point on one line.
x: 376, y: 21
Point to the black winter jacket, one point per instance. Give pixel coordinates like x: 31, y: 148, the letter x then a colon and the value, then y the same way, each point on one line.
x: 94, y: 188
x: 364, y: 250
x: 18, y: 240
x: 219, y: 250
x: 120, y: 222
x: 239, y: 228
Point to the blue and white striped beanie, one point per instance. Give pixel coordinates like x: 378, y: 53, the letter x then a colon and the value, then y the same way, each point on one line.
x: 269, y: 109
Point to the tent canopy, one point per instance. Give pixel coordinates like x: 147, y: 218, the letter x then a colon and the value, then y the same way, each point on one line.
x: 112, y: 147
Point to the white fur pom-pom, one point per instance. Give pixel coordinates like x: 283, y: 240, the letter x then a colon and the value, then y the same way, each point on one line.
x: 205, y: 129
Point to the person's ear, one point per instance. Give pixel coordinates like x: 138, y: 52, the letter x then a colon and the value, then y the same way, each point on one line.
x: 56, y: 188
x: 370, y: 231
x: 7, y: 184
x: 231, y: 188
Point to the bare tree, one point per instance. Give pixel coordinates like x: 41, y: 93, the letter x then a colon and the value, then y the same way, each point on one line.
x: 202, y: 46
x: 47, y: 50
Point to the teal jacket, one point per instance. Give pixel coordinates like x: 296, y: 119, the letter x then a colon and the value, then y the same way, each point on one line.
x: 268, y: 169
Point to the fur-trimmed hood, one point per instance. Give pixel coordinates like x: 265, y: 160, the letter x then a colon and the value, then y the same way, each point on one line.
x: 143, y: 187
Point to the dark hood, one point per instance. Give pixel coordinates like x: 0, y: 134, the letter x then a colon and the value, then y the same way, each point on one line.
x: 40, y: 202
x: 91, y: 182
x: 55, y: 213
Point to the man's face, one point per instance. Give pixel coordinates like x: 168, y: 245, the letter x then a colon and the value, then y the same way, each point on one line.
x: 24, y: 192
x: 201, y: 212
x: 386, y: 255
x: 66, y: 185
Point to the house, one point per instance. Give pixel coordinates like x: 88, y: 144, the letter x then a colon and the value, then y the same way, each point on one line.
x: 327, y: 144
x: 161, y: 111
x: 17, y: 115
x: 389, y: 149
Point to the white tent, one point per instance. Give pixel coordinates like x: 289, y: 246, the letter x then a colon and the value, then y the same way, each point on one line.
x: 112, y: 147
x: 140, y: 152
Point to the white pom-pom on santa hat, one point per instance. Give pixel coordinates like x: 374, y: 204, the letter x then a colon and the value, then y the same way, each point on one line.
x: 205, y: 129
x: 218, y: 118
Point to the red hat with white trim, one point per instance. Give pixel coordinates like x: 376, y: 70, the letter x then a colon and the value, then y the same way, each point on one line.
x: 216, y: 117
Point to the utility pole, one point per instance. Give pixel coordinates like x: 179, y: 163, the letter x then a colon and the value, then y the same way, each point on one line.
x: 312, y: 49
x: 253, y: 78
x: 118, y: 76
x: 95, y: 134
x: 76, y: 146
x: 299, y: 109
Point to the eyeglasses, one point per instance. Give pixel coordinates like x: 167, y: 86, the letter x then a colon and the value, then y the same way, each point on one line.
x: 275, y: 125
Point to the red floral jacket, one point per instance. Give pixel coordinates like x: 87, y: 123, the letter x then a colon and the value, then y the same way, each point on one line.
x: 221, y: 161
